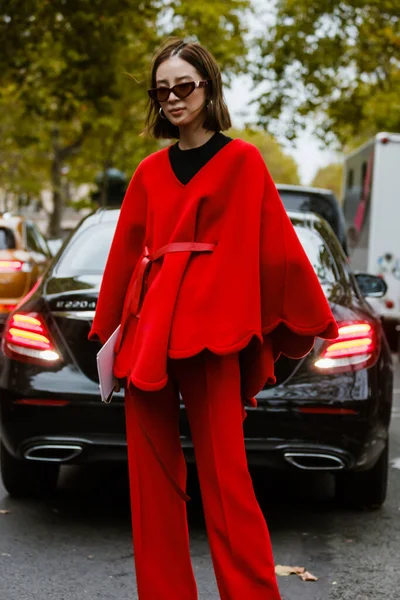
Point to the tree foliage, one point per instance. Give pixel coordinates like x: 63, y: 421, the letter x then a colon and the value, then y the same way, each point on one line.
x: 67, y: 63
x: 24, y: 162
x: 337, y: 62
x: 330, y: 177
x: 218, y: 24
x: 282, y: 167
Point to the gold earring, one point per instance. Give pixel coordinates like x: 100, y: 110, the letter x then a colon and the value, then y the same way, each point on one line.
x: 160, y: 112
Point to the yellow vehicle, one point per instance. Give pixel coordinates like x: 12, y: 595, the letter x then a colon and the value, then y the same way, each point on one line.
x: 24, y: 254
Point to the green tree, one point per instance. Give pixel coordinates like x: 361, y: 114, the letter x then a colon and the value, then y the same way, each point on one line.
x: 282, y: 167
x: 67, y: 59
x: 60, y: 56
x: 335, y: 62
x: 24, y: 163
x: 218, y: 24
x: 330, y: 177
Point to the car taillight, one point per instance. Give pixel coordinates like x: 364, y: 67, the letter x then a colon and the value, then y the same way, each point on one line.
x: 15, y: 266
x: 11, y: 265
x: 5, y: 308
x: 355, y: 348
x: 26, y: 336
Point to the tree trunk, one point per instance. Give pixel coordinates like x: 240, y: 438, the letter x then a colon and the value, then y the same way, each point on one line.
x: 54, y: 229
x: 5, y: 201
x: 104, y: 185
x: 59, y: 156
x: 108, y: 162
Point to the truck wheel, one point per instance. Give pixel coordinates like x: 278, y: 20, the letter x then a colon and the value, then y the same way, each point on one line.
x: 365, y: 489
x: 26, y: 478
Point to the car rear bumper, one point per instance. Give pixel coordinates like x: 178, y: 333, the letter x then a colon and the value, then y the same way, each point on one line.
x: 89, y: 431
x: 84, y: 449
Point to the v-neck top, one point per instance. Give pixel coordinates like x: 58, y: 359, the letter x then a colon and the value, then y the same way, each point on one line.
x: 186, y: 163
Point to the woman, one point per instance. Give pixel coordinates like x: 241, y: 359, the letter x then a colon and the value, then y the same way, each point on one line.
x: 210, y: 284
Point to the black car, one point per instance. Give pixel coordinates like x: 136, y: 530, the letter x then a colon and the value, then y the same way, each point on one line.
x: 321, y: 201
x: 327, y: 412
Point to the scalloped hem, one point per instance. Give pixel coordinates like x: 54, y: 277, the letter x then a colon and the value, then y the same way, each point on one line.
x: 93, y: 333
x: 314, y: 332
x: 146, y: 386
x: 220, y: 351
x: 301, y: 330
x: 306, y: 332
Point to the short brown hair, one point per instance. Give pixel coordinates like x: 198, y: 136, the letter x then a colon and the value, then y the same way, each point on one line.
x: 217, y: 117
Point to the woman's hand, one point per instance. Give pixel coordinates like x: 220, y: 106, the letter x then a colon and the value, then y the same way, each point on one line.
x: 117, y: 385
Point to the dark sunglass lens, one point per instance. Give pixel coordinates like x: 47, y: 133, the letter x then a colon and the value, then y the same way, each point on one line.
x: 182, y: 90
x: 162, y: 94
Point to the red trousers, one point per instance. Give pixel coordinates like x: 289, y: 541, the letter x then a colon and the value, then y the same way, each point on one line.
x: 237, y: 531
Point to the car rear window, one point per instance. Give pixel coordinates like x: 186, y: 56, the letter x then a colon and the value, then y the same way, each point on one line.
x: 87, y: 251
x: 318, y: 254
x: 7, y: 239
x: 315, y: 203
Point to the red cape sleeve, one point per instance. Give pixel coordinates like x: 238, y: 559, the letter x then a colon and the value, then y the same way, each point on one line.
x: 126, y: 249
x: 294, y: 308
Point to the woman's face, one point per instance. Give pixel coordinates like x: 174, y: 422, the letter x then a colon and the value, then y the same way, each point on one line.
x: 181, y: 112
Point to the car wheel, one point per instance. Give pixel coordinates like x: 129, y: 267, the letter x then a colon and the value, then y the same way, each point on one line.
x: 365, y: 489
x: 25, y: 478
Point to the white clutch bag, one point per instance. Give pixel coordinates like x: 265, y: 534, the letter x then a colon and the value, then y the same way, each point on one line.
x: 105, y: 364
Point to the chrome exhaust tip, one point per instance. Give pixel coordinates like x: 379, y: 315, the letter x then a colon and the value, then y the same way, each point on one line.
x: 314, y: 461
x: 58, y: 453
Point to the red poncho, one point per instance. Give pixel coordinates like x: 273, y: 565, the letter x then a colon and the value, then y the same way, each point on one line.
x: 256, y: 292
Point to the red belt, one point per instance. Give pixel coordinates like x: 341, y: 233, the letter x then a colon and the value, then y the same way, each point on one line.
x: 148, y: 259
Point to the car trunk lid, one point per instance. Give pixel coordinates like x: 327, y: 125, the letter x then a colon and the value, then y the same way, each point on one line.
x: 72, y: 302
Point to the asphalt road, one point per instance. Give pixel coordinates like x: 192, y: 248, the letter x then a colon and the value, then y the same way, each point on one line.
x: 77, y: 545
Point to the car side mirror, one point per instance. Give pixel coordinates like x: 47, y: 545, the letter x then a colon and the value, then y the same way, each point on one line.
x: 371, y: 285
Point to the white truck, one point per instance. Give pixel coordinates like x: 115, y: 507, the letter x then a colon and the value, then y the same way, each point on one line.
x: 371, y: 205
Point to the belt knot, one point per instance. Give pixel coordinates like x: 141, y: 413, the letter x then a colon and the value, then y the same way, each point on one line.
x: 148, y: 259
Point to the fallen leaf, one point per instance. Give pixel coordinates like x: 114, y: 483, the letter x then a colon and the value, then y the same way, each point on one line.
x: 4, y: 512
x: 284, y: 570
x: 307, y: 576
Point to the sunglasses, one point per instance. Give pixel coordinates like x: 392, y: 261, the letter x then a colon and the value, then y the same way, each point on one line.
x: 181, y: 90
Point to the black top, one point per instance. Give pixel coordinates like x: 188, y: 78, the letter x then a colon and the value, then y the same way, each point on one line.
x: 186, y: 163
